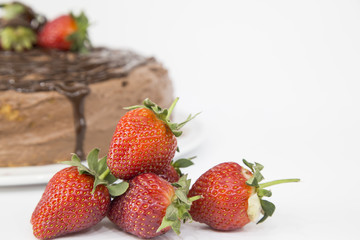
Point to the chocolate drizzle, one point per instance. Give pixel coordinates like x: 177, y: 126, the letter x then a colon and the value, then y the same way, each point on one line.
x: 68, y: 73
x: 76, y: 93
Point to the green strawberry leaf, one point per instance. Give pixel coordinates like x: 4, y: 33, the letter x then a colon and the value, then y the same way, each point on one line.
x: 102, y: 165
x: 175, y: 127
x: 265, y: 216
x: 249, y: 165
x: 99, y: 170
x: 172, y: 219
x: 184, y: 213
x: 76, y: 162
x: 183, y: 184
x: 164, y: 114
x: 264, y: 192
x: 118, y: 189
x: 257, y: 176
x: 12, y: 10
x: 165, y: 223
x: 183, y: 162
x: 92, y: 159
x: 252, y: 181
x: 175, y: 225
x: 178, y: 210
x: 80, y: 39
x: 188, y: 119
x: 268, y: 208
x: 182, y: 196
x: 97, y: 182
x: 110, y: 178
x: 258, y: 167
x: 172, y: 213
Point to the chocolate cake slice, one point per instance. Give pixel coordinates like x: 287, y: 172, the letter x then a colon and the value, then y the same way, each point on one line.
x: 53, y: 103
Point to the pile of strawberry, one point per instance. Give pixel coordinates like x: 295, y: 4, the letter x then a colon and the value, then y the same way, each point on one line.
x: 22, y: 29
x: 142, y: 191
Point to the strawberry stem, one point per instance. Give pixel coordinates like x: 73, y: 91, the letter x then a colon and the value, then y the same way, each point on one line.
x: 104, y: 174
x: 171, y: 108
x: 268, y: 184
x: 267, y: 207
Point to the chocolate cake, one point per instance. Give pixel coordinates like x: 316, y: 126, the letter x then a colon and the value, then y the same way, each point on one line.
x: 54, y: 103
x: 58, y: 94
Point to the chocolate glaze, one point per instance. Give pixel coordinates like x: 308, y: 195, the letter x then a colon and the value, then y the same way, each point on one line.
x: 67, y: 73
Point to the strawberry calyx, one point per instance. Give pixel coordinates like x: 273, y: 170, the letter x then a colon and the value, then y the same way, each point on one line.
x: 18, y: 38
x: 80, y: 41
x: 182, y: 163
x: 16, y: 31
x: 268, y: 208
x: 12, y: 10
x: 99, y: 170
x: 164, y: 114
x: 178, y: 211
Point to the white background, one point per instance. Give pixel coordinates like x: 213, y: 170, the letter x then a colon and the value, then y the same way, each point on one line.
x: 277, y: 82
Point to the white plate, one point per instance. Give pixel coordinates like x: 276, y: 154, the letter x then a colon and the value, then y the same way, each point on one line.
x: 190, y: 139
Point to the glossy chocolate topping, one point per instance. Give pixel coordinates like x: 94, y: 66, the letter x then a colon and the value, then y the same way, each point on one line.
x: 67, y: 73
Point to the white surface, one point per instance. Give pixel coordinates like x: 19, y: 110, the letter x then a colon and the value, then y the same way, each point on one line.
x: 277, y: 82
x: 193, y: 135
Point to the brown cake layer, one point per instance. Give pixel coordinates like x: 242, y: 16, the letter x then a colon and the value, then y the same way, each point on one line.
x: 54, y: 103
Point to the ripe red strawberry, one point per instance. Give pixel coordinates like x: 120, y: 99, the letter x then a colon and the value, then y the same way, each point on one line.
x: 232, y: 196
x: 144, y: 141
x: 169, y: 173
x: 172, y: 172
x: 151, y: 206
x: 67, y: 32
x: 74, y: 198
x: 68, y: 205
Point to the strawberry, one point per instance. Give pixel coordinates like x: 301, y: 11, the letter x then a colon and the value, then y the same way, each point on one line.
x: 75, y: 198
x: 172, y: 172
x: 18, y: 26
x: 151, y: 206
x: 67, y: 32
x: 169, y: 173
x: 144, y: 141
x: 232, y: 196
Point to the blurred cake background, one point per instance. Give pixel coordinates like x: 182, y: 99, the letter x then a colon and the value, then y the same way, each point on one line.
x: 57, y: 98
